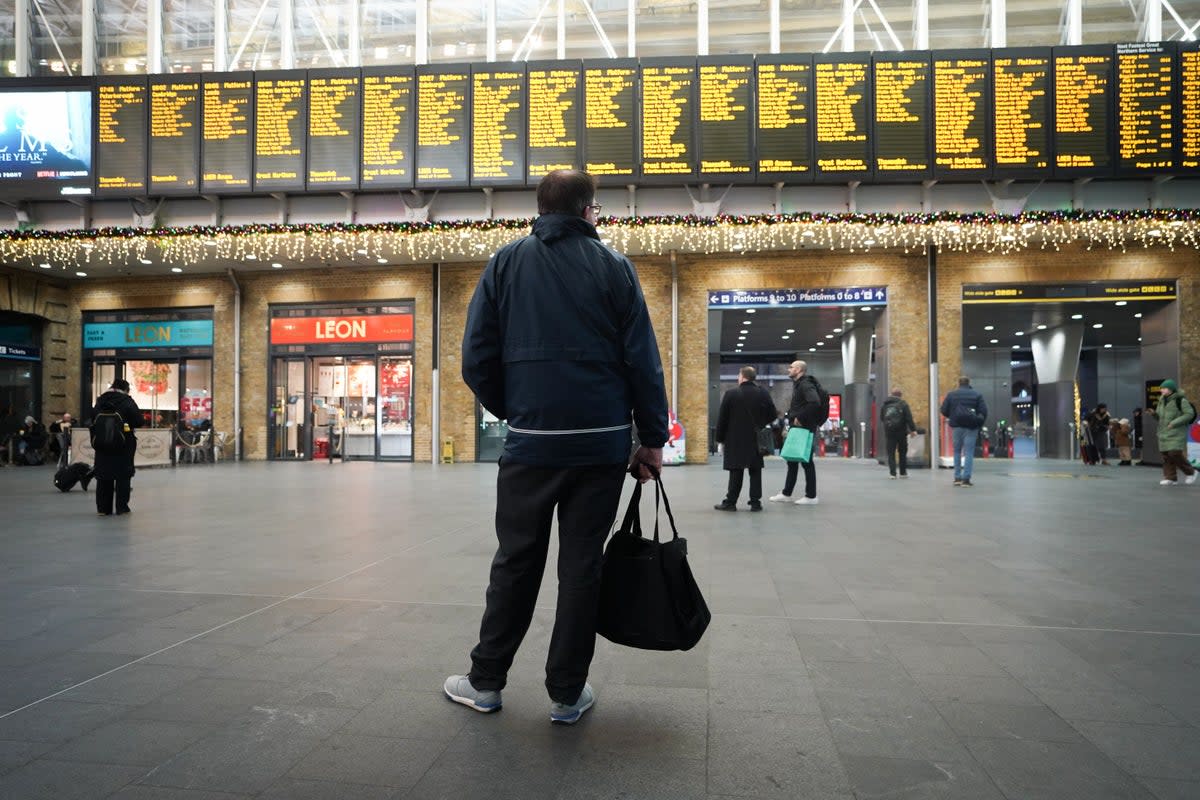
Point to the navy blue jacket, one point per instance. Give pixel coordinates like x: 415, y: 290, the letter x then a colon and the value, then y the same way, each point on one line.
x: 559, y: 343
x: 964, y: 408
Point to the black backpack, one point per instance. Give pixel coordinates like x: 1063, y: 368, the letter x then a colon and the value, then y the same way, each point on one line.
x: 893, y: 417
x: 821, y: 415
x: 1179, y: 401
x: 108, y: 432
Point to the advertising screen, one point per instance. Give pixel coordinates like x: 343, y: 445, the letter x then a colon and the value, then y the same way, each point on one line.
x: 46, y: 142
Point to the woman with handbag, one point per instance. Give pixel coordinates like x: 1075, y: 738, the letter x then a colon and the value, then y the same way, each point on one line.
x: 746, y: 410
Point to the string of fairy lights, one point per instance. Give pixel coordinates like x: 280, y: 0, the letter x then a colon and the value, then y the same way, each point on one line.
x: 338, y: 244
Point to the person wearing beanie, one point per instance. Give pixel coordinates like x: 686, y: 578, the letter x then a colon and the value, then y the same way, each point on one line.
x: 113, y: 421
x: 1175, y: 415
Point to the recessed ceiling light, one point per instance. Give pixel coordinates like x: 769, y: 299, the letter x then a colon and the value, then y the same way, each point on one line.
x: 44, y: 266
x: 381, y: 260
x: 362, y: 251
x: 994, y: 341
x: 1077, y: 316
x: 1098, y: 325
x: 1041, y: 327
x: 1139, y: 338
x: 972, y: 347
x: 145, y: 261
x: 837, y: 330
x: 277, y: 265
x: 176, y: 269
x: 741, y: 338
x: 849, y: 320
x: 251, y: 257
x: 1019, y: 333
x: 812, y: 349
x: 1016, y: 347
x: 748, y: 322
x: 1108, y: 347
x: 865, y: 308
x: 820, y: 344
x: 81, y: 274
x: 791, y: 330
x: 1122, y: 302
x: 743, y: 330
x: 1137, y: 315
x: 829, y: 336
x: 751, y: 310
x: 989, y: 327
x: 785, y: 336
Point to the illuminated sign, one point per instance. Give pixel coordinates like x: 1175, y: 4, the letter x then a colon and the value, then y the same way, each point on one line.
x: 334, y: 330
x: 797, y: 298
x: 177, y: 333
x: 1068, y: 292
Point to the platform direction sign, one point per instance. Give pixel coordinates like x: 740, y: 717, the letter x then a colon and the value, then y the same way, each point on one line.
x: 798, y: 298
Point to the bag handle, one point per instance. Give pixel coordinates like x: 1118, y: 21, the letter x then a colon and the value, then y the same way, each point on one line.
x: 660, y: 491
x: 632, y: 522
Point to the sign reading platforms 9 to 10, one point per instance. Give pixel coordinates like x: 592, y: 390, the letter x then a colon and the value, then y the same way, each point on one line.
x: 1051, y: 112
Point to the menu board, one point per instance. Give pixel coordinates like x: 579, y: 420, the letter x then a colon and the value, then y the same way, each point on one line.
x: 901, y: 116
x: 962, y: 144
x: 668, y: 117
x: 1189, y: 106
x: 122, y: 110
x: 783, y: 127
x: 334, y: 128
x: 725, y: 117
x: 280, y: 126
x: 498, y: 124
x: 1083, y: 83
x: 225, y: 156
x: 553, y: 124
x: 174, y: 135
x: 443, y: 130
x: 1145, y: 107
x: 1021, y: 121
x: 387, y: 127
x: 843, y: 143
x: 610, y: 113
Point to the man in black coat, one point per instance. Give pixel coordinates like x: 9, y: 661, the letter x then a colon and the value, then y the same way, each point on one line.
x: 804, y: 408
x: 745, y: 410
x: 898, y: 425
x: 114, y: 470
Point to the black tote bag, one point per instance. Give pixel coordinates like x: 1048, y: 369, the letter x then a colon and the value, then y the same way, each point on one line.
x: 648, y: 596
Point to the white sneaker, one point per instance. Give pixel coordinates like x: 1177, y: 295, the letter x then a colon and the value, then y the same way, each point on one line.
x: 1165, y: 482
x: 1190, y: 479
x: 806, y: 501
x: 780, y: 498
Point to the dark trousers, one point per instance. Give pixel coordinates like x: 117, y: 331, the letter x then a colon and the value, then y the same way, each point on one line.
x: 106, y: 488
x: 526, y: 498
x: 735, y: 486
x: 897, y: 442
x: 1174, y: 462
x: 810, y: 477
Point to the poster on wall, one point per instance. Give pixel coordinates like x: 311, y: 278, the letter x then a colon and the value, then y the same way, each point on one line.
x: 675, y: 451
x: 395, y: 384
x: 153, y: 386
x: 195, y: 407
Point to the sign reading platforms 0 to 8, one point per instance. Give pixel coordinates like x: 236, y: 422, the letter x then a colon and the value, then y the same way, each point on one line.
x: 443, y: 130
x: 610, y: 118
x: 498, y: 125
x: 843, y: 142
x: 902, y: 116
x: 725, y: 132
x: 1021, y: 112
x: 280, y: 125
x: 1083, y: 81
x: 175, y: 135
x: 225, y: 156
x: 121, y: 119
x: 553, y: 100
x: 784, y: 117
x: 387, y: 128
x: 668, y: 116
x: 334, y: 134
x: 962, y: 142
x: 1145, y: 107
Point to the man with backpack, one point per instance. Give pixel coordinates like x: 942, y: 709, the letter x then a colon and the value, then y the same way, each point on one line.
x: 113, y: 420
x: 809, y: 409
x: 1175, y: 415
x: 898, y: 425
x: 966, y: 411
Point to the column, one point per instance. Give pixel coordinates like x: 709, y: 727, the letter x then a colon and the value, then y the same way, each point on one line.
x: 856, y: 371
x: 1160, y: 360
x: 1056, y: 360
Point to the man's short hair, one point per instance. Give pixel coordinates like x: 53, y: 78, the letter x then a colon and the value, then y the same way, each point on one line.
x: 121, y: 385
x: 566, y: 191
x: 897, y: 393
x: 749, y: 373
x: 964, y: 381
x: 801, y: 365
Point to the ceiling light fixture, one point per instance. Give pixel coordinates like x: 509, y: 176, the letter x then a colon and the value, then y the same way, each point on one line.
x: 837, y: 330
x: 743, y: 330
x: 1137, y: 315
x: 849, y: 320
x: 820, y: 344
x: 176, y: 270
x: 751, y: 310
x: 1098, y: 325
x: 1122, y: 302
x: 1041, y: 327
x: 989, y: 327
x: 277, y: 265
x: 81, y: 274
x: 1077, y: 316
x: 812, y: 349
x: 1108, y: 347
x: 993, y: 341
x: 1016, y: 347
x: 44, y: 266
x: 829, y: 336
x: 791, y: 330
x: 251, y: 257
x: 1019, y: 333
x: 972, y: 347
x: 145, y: 261
x: 785, y: 336
x: 865, y: 308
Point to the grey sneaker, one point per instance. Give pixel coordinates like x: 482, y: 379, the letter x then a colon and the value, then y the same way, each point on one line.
x: 563, y: 714
x: 459, y: 689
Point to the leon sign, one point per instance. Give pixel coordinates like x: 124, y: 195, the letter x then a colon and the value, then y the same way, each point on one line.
x: 335, y: 330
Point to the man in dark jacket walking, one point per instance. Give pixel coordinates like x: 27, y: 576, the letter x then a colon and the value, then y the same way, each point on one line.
x: 114, y: 469
x: 558, y: 342
x: 966, y: 411
x: 745, y: 410
x: 898, y: 425
x: 802, y: 411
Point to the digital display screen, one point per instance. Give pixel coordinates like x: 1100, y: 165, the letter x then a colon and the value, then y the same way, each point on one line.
x: 1189, y: 105
x: 843, y: 143
x: 122, y: 117
x: 280, y: 127
x: 902, y: 116
x: 387, y: 127
x: 225, y: 155
x: 46, y: 142
x: 783, y: 128
x: 553, y: 100
x: 443, y: 125
x: 1021, y: 118
x: 725, y: 118
x: 610, y: 118
x: 668, y: 117
x: 1145, y: 107
x: 334, y: 132
x: 175, y: 135
x: 962, y: 146
x: 498, y: 125
x: 1083, y: 82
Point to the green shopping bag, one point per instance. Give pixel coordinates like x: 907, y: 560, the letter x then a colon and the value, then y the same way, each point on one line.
x: 798, y: 446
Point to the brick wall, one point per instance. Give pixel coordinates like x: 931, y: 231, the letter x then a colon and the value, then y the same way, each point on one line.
x: 27, y: 293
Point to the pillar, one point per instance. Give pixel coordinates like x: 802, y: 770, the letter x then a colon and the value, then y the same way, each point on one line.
x: 856, y: 371
x: 1056, y: 360
x: 1160, y: 360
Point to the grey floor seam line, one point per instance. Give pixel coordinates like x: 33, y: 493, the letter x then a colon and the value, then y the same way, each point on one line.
x: 297, y: 596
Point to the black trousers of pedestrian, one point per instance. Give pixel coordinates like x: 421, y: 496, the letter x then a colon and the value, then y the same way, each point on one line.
x: 586, y: 500
x: 735, y: 486
x: 810, y: 477
x: 108, y: 488
x: 897, y: 442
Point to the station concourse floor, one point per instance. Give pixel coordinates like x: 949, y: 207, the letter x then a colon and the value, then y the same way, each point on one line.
x: 283, y: 630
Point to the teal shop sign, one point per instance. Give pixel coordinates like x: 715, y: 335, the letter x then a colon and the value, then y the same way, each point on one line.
x: 179, y: 333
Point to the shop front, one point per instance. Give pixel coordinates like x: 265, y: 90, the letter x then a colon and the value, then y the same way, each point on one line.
x: 341, y: 381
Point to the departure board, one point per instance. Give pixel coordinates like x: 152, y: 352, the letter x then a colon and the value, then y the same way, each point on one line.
x: 498, y: 124
x: 610, y: 111
x: 1189, y: 105
x: 443, y: 125
x: 121, y: 120
x: 1083, y: 91
x: 962, y: 143
x: 174, y: 135
x: 902, y: 116
x: 225, y: 155
x: 1021, y: 117
x: 1145, y: 107
x: 668, y: 117
x: 280, y: 128
x: 334, y: 128
x: 843, y: 122
x: 387, y: 127
x: 554, y: 103
x: 725, y: 117
x: 783, y: 117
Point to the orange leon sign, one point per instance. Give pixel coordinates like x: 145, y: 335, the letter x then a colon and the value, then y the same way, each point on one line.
x: 331, y: 330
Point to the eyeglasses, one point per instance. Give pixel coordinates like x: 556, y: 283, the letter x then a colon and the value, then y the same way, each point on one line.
x: 596, y: 207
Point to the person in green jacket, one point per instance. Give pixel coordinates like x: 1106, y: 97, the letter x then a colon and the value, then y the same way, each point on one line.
x: 1174, y: 414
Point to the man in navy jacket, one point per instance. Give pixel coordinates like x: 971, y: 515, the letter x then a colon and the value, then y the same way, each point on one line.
x: 966, y: 412
x: 559, y: 343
